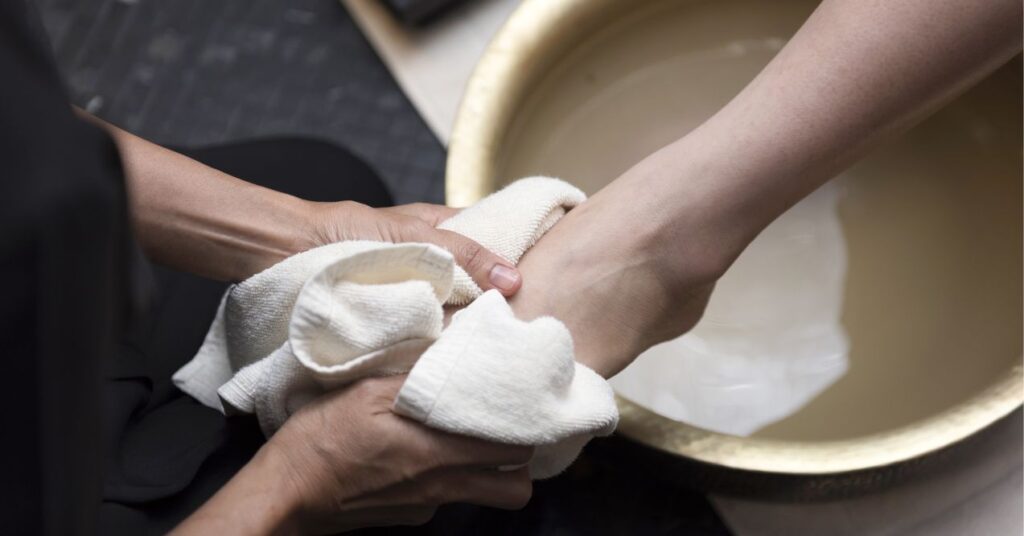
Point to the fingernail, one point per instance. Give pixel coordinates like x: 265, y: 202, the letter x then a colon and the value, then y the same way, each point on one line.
x: 504, y: 277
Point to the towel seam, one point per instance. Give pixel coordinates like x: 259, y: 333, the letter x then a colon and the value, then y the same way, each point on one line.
x: 448, y: 373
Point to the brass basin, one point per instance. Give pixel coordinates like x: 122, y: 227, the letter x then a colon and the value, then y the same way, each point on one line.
x: 546, y: 98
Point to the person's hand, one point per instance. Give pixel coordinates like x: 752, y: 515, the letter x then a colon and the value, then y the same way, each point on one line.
x: 346, y: 461
x: 417, y: 222
x: 619, y: 287
x: 200, y: 220
x: 635, y: 264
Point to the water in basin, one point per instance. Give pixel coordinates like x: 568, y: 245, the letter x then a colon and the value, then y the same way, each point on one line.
x: 890, y: 294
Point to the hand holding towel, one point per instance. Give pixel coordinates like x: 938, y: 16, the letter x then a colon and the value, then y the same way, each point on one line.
x: 338, y: 313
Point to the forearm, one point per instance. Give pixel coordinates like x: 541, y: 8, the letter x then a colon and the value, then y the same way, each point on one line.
x: 855, y: 73
x: 197, y: 219
x: 635, y: 264
x: 256, y: 501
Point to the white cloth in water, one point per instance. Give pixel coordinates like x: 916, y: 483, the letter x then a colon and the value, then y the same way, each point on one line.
x: 332, y: 315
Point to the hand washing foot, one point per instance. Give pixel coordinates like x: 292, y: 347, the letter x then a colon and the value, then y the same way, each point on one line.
x: 618, y: 280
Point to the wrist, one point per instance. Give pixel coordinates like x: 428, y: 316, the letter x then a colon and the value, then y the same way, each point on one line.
x: 677, y: 230
x: 198, y: 219
x: 695, y: 207
x: 258, y: 500
x: 286, y: 227
x: 271, y: 470
x: 295, y: 224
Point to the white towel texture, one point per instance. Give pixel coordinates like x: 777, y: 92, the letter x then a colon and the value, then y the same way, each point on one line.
x: 335, y: 314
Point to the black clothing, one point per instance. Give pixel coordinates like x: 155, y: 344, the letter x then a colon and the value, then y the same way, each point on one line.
x: 98, y: 439
x: 64, y: 258
x: 172, y: 453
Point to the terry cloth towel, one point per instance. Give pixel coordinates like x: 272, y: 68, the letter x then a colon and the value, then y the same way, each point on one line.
x: 335, y: 314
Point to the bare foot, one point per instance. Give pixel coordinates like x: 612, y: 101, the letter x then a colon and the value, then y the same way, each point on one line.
x: 619, y: 286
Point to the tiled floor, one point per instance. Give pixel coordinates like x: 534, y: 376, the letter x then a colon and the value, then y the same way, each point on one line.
x: 195, y: 72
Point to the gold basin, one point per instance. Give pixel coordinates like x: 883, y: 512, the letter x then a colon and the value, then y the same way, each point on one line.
x: 582, y: 89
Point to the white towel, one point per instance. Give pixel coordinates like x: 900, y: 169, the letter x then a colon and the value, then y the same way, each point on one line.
x: 510, y: 222
x: 494, y: 376
x: 338, y: 313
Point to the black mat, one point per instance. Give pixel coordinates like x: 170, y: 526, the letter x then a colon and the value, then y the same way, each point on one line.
x: 194, y: 72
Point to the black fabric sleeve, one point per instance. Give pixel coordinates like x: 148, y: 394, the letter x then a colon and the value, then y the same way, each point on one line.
x: 64, y: 245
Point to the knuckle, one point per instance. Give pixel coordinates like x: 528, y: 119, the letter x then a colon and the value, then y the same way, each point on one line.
x: 470, y: 255
x: 349, y: 205
x: 421, y: 227
x: 417, y: 230
x: 397, y: 230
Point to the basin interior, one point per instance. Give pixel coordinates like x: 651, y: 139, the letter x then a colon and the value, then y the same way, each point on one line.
x: 930, y: 300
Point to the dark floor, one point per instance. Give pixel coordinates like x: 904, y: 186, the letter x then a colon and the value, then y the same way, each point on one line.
x: 196, y: 72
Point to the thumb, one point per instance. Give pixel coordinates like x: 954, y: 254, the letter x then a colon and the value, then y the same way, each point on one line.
x: 488, y: 270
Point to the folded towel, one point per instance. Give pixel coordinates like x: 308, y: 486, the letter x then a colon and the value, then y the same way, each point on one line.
x: 370, y: 312
x: 346, y: 311
x: 494, y: 376
x: 510, y: 222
